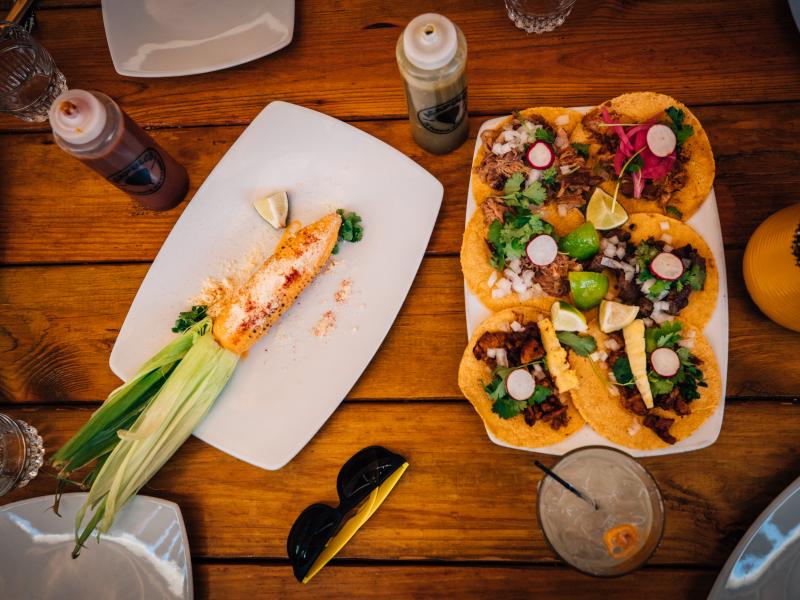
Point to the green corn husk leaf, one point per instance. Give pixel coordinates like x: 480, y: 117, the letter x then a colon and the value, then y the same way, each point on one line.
x: 158, y: 431
x: 99, y: 435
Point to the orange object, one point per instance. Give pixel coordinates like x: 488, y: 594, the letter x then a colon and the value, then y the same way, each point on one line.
x: 622, y: 540
x: 772, y: 267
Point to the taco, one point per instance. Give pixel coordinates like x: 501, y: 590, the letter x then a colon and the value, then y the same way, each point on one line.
x: 658, y: 159
x: 529, y: 158
x: 661, y: 265
x: 517, y: 350
x: 497, y: 265
x: 625, y: 399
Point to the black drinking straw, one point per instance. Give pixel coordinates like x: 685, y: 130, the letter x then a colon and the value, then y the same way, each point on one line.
x: 569, y: 486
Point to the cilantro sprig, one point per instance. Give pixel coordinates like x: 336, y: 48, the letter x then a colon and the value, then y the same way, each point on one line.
x: 190, y: 317
x: 682, y: 131
x: 545, y: 135
x: 516, y: 195
x: 509, y: 239
x: 351, y: 229
x: 645, y: 252
x: 581, y: 149
x: 583, y: 345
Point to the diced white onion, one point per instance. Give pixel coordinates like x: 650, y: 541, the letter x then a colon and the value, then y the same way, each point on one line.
x: 562, y: 210
x: 610, y: 263
x: 614, y: 240
x: 664, y: 225
x: 603, y: 355
x: 611, y: 344
x: 502, y: 289
x: 648, y: 322
x: 634, y: 428
x: 534, y: 175
x: 537, y: 290
x: 516, y: 326
x: 501, y: 357
x: 666, y: 238
x: 492, y: 279
x: 567, y: 169
x: 526, y: 295
x: 527, y: 277
x: 610, y: 251
x: 621, y: 252
x: 491, y: 352
x: 562, y: 120
x: 514, y: 265
x: 661, y: 306
x: 595, y: 356
x: 629, y: 275
x: 612, y: 389
x: 611, y: 377
x: 647, y: 285
x: 687, y: 343
x: 667, y: 248
x: 661, y: 317
x: 519, y: 286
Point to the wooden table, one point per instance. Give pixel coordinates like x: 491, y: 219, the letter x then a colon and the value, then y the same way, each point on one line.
x: 462, y: 522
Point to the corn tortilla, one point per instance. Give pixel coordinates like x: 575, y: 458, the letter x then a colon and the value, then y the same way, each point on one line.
x: 473, y: 374
x: 700, y: 168
x: 605, y: 413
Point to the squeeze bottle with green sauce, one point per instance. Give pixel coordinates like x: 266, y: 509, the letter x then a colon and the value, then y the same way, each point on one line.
x: 432, y: 57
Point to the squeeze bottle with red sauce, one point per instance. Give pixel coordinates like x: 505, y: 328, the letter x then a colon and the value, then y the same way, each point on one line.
x: 94, y: 129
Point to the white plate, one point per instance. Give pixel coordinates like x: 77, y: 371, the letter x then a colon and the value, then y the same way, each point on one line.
x: 145, y: 554
x: 163, y: 38
x: 291, y: 381
x: 766, y: 562
x: 706, y: 222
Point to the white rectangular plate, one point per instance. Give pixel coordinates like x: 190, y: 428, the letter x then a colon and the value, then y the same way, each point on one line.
x: 706, y: 222
x: 291, y: 381
x: 144, y: 555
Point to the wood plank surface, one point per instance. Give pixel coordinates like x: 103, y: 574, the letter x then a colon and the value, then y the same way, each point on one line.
x: 45, y: 221
x: 225, y: 581
x: 58, y: 325
x: 342, y: 59
x: 462, y: 498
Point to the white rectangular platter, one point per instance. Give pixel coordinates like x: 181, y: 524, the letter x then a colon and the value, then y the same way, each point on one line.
x: 292, y: 380
x: 706, y: 222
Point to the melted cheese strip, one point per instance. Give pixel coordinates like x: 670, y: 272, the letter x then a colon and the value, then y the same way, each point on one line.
x: 635, y: 349
x: 274, y: 287
x: 566, y: 379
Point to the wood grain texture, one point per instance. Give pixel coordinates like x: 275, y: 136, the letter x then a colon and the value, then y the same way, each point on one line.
x: 45, y: 221
x: 428, y: 581
x: 462, y: 498
x: 58, y: 325
x: 342, y: 60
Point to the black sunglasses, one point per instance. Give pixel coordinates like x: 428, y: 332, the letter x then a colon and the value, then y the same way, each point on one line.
x: 358, y: 478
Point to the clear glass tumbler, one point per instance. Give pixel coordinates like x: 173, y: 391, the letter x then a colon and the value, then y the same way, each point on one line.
x: 539, y: 16
x: 21, y: 453
x: 29, y: 78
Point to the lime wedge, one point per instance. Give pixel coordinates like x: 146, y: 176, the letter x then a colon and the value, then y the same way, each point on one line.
x: 566, y: 317
x: 614, y: 316
x: 603, y: 212
x: 274, y: 209
x: 581, y: 243
x: 588, y: 288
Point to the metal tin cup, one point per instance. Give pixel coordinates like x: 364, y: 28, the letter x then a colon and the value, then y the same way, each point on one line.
x: 432, y: 57
x: 21, y: 453
x: 627, y: 526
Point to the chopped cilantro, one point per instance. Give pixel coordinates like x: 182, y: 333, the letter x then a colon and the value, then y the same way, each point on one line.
x: 541, y: 394
x: 510, y: 238
x: 695, y: 277
x: 664, y: 336
x: 190, y: 317
x: 351, y: 229
x: 505, y: 406
x: 682, y: 132
x: 545, y: 135
x: 659, y: 386
x: 622, y: 371
x: 636, y: 163
x: 583, y: 345
x: 658, y: 289
x: 673, y: 212
x: 534, y: 193
x: 581, y: 149
x: 513, y: 183
x: 645, y: 253
x: 549, y: 177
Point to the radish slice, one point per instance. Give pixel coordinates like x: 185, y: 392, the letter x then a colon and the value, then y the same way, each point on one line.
x: 541, y: 155
x: 520, y: 384
x: 661, y: 140
x: 666, y: 266
x: 665, y: 362
x: 542, y: 250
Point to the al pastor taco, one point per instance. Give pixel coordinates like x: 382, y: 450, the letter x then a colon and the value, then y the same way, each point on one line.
x: 529, y: 158
x: 647, y: 388
x: 651, y: 151
x: 516, y: 375
x: 661, y: 265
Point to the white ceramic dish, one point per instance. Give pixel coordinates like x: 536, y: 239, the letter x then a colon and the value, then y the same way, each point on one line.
x: 291, y: 380
x: 164, y: 38
x: 145, y: 554
x: 706, y: 222
x: 766, y: 562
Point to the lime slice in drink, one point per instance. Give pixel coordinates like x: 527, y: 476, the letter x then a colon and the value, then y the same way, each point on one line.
x: 614, y: 316
x: 588, y: 288
x: 566, y: 317
x: 274, y: 209
x: 603, y: 212
x: 581, y: 243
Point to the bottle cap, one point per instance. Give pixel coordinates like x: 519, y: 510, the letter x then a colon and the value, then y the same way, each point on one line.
x: 430, y: 41
x: 77, y: 116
